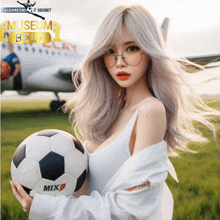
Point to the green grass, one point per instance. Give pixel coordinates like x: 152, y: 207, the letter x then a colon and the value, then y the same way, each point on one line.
x: 196, y: 196
x: 21, y: 118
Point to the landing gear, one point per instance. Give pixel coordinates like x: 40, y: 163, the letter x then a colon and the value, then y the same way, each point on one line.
x: 55, y: 105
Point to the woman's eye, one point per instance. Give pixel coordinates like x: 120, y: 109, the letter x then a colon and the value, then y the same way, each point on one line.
x: 110, y: 51
x: 133, y: 48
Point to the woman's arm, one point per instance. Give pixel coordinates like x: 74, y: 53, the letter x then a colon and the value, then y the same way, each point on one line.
x: 151, y: 127
x: 26, y: 200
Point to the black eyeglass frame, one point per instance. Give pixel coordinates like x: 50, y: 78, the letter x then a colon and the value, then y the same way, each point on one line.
x: 122, y: 58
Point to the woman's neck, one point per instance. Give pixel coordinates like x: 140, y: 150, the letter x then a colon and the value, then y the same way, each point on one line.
x: 136, y: 93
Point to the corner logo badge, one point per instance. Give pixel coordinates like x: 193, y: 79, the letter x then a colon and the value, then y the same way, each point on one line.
x: 18, y: 30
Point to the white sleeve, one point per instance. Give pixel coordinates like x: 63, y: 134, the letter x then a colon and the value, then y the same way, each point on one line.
x: 114, y: 205
x: 116, y: 202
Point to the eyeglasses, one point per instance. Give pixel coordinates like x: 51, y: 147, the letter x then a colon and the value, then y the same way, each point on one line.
x: 132, y: 56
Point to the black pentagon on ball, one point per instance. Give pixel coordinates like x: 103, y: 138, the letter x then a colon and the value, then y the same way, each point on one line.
x: 80, y: 181
x: 52, y: 166
x: 27, y: 190
x: 19, y: 155
x: 78, y: 145
x: 47, y: 133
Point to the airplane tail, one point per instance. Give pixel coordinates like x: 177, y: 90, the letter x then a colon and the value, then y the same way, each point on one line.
x: 164, y: 27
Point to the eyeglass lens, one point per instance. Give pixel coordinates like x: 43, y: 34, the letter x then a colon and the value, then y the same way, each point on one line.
x: 131, y: 57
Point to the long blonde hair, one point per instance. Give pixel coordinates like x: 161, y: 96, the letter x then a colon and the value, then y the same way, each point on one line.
x: 99, y: 99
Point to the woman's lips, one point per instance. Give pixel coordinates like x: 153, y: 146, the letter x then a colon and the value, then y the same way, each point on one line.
x: 123, y: 75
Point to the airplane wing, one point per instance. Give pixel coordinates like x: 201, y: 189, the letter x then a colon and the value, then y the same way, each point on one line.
x: 56, y: 78
x: 203, y: 60
x: 213, y: 64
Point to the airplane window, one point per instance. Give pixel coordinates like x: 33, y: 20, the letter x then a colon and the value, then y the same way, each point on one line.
x: 3, y: 46
x: 40, y: 50
x: 58, y: 52
x: 46, y: 51
x: 19, y: 47
x: 52, y: 52
x: 26, y: 48
x: 33, y: 49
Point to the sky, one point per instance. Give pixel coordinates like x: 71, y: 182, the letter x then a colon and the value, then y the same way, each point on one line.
x: 194, y: 24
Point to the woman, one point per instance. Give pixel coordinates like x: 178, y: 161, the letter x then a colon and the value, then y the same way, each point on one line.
x: 129, y: 109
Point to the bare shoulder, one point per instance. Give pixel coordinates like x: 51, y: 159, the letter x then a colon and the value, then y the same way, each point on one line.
x: 152, y: 106
x: 151, y: 124
x: 152, y: 112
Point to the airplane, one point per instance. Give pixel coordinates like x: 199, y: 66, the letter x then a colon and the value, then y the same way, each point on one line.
x: 49, y: 67
x: 45, y: 67
x: 202, y: 59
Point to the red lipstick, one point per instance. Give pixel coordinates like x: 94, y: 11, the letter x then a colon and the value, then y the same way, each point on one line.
x: 123, y: 75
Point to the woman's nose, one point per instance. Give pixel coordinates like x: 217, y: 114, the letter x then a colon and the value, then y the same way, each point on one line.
x: 120, y: 61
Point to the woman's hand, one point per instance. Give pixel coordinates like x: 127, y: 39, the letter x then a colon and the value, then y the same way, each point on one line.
x: 22, y: 197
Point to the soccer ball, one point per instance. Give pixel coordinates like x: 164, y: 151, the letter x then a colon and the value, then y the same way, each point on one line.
x: 50, y: 162
x: 29, y: 10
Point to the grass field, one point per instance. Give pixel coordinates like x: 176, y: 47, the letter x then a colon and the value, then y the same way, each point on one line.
x: 196, y: 196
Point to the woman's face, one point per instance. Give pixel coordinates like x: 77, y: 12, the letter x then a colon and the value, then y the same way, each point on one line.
x: 132, y: 68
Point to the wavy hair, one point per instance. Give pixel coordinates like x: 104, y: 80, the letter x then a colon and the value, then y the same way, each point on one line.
x: 98, y: 99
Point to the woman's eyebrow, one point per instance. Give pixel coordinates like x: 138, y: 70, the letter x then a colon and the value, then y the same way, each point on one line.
x: 125, y: 43
x: 128, y: 42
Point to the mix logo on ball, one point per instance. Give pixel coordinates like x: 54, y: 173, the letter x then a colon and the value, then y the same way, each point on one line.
x: 26, y: 32
x: 58, y: 187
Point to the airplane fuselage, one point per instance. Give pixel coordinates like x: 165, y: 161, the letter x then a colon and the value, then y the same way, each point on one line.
x: 39, y: 63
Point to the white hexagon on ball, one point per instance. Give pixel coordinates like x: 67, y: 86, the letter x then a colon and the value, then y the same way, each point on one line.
x: 38, y: 147
x: 75, y: 163
x: 61, y: 144
x: 29, y: 171
x: 16, y: 175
